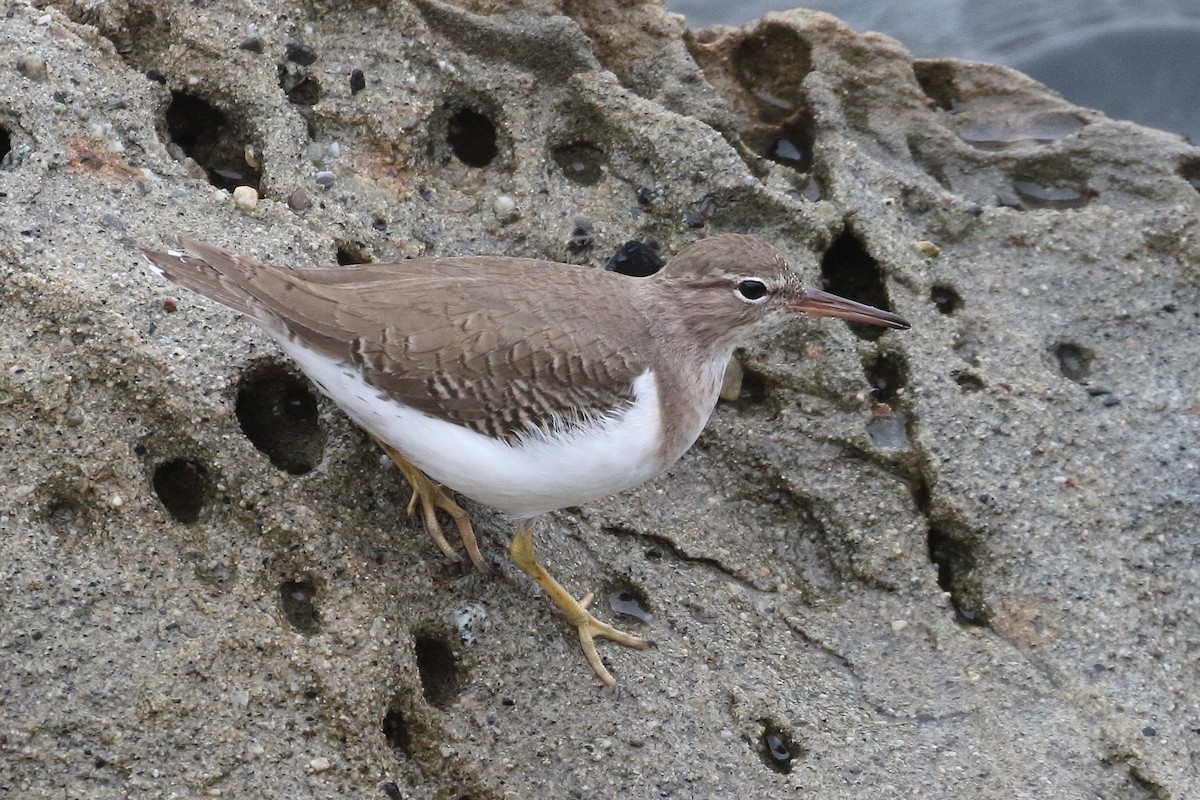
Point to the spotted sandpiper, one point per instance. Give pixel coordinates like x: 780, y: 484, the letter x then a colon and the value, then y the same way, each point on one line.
x: 526, y: 385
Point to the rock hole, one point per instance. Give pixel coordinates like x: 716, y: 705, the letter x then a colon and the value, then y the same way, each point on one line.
x: 206, y: 135
x: 472, y: 138
x: 753, y: 390
x: 439, y: 670
x: 1190, y: 171
x: 5, y: 144
x: 1032, y: 194
x: 278, y: 414
x: 792, y: 146
x: 630, y: 601
x: 1074, y: 361
x: 581, y: 162
x: 849, y: 270
x: 953, y: 558
x: 296, y: 604
x: 936, y: 79
x: 301, y: 90
x: 637, y: 259
x: 350, y: 253
x: 181, y: 486
x: 67, y: 515
x: 946, y: 298
x: 396, y: 729
x: 777, y: 748
x: 968, y: 381
x: 771, y: 65
x: 886, y: 374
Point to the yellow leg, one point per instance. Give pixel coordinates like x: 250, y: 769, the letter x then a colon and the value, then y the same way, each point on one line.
x: 432, y: 496
x: 575, y: 611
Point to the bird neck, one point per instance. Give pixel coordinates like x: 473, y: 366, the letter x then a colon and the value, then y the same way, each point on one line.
x: 692, y: 351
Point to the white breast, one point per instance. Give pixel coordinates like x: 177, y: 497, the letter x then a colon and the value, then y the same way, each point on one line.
x: 536, y: 475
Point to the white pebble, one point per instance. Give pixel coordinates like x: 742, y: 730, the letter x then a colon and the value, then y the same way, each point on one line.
x: 506, y: 209
x: 245, y: 198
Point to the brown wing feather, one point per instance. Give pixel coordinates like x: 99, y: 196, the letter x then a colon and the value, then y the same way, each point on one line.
x: 457, y: 338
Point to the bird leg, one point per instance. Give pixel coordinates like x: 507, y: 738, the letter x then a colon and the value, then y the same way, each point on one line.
x: 575, y: 611
x: 431, y: 497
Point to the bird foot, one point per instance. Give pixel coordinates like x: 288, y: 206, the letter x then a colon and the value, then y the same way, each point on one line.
x: 590, y: 629
x: 576, y: 611
x: 431, y: 497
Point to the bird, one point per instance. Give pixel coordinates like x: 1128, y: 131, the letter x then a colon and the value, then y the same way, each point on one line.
x: 526, y: 385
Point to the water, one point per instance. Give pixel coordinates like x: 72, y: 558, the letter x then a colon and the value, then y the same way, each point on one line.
x: 1132, y: 59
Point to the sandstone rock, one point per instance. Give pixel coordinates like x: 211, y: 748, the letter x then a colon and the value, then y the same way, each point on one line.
x: 257, y: 603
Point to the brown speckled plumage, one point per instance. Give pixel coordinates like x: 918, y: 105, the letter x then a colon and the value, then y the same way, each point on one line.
x: 508, y: 346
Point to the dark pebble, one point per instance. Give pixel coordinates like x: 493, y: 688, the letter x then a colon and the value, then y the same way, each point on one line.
x: 299, y: 200
x: 156, y: 76
x: 300, y: 53
x: 646, y: 196
x: 1149, y: 731
x: 358, y: 81
x: 325, y: 178
x: 582, y: 237
x: 693, y: 220
x: 637, y: 259
x: 1097, y: 391
x: 252, y: 45
x: 1110, y: 400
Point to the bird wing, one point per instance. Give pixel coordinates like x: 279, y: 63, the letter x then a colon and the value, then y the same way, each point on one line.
x: 504, y: 346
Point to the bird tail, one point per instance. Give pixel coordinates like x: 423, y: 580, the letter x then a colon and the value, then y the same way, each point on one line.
x: 215, y: 273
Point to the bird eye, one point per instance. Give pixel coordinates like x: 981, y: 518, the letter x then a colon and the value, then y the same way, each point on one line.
x: 751, y: 289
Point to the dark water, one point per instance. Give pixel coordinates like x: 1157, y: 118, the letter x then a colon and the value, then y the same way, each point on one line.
x: 1132, y: 59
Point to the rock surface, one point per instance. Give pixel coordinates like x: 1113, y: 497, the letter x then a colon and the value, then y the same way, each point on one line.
x: 955, y: 562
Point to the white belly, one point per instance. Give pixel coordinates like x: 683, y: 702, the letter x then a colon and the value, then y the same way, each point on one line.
x: 525, y: 478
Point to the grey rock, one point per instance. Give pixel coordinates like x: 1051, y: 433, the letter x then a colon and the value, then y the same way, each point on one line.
x: 991, y: 594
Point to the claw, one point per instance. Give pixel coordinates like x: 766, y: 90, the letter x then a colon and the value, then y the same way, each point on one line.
x: 588, y: 627
x: 432, y: 497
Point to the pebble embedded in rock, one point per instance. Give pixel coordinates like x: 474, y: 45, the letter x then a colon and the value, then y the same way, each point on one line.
x: 299, y: 200
x: 927, y: 249
x: 325, y: 178
x: 300, y: 53
x: 505, y: 209
x: 253, y: 44
x: 636, y: 259
x: 358, y: 81
x: 647, y: 196
x: 245, y: 198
